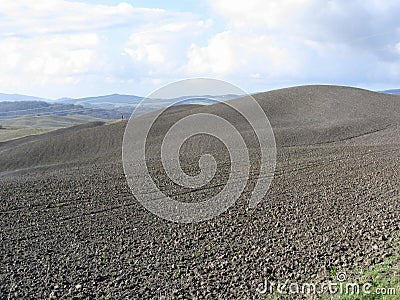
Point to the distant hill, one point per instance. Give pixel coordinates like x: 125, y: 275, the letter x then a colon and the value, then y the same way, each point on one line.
x: 49, y: 121
x: 126, y: 104
x: 16, y: 109
x: 16, y: 136
x: 300, y: 116
x: 107, y: 100
x: 392, y: 92
x: 105, y: 107
x: 17, y: 97
x: 8, y: 107
x: 117, y: 100
x: 33, y: 125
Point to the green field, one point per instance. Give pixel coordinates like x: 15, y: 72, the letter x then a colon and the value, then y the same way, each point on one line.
x: 14, y: 133
x: 383, y: 279
x: 33, y: 125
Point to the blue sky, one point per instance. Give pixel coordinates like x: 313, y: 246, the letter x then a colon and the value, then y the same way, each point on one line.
x: 64, y: 48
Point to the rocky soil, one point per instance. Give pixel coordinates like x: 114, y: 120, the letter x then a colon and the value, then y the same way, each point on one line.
x: 73, y: 229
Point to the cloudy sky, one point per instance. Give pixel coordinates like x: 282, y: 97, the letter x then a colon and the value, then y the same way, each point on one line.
x: 60, y: 48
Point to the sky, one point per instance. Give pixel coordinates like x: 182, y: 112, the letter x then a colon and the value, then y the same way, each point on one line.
x: 65, y: 48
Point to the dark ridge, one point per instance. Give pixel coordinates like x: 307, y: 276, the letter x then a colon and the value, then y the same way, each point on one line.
x: 305, y: 115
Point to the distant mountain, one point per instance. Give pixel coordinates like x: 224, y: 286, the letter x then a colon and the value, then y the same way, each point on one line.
x: 9, y: 107
x: 16, y: 109
x: 117, y: 100
x: 112, y: 106
x: 392, y: 92
x: 17, y: 97
x: 204, y: 99
x: 114, y: 100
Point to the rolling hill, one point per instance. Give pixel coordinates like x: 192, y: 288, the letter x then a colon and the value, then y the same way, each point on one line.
x: 117, y: 100
x: 34, y: 125
x: 48, y: 121
x: 15, y: 109
x: 307, y: 115
x: 107, y: 100
x: 17, y: 97
x: 71, y: 226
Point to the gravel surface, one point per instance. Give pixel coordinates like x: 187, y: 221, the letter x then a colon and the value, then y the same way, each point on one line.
x: 71, y: 228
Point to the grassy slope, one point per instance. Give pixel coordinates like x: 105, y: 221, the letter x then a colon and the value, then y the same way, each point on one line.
x: 14, y: 133
x: 383, y: 278
x: 33, y: 125
x: 43, y: 122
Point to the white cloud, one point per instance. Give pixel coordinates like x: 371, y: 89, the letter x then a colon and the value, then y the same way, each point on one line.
x: 273, y: 14
x: 59, y: 16
x: 231, y: 52
x: 73, y: 43
x: 59, y: 41
x: 332, y: 20
x: 161, y: 48
x: 43, y: 60
x: 53, y: 41
x: 302, y: 40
